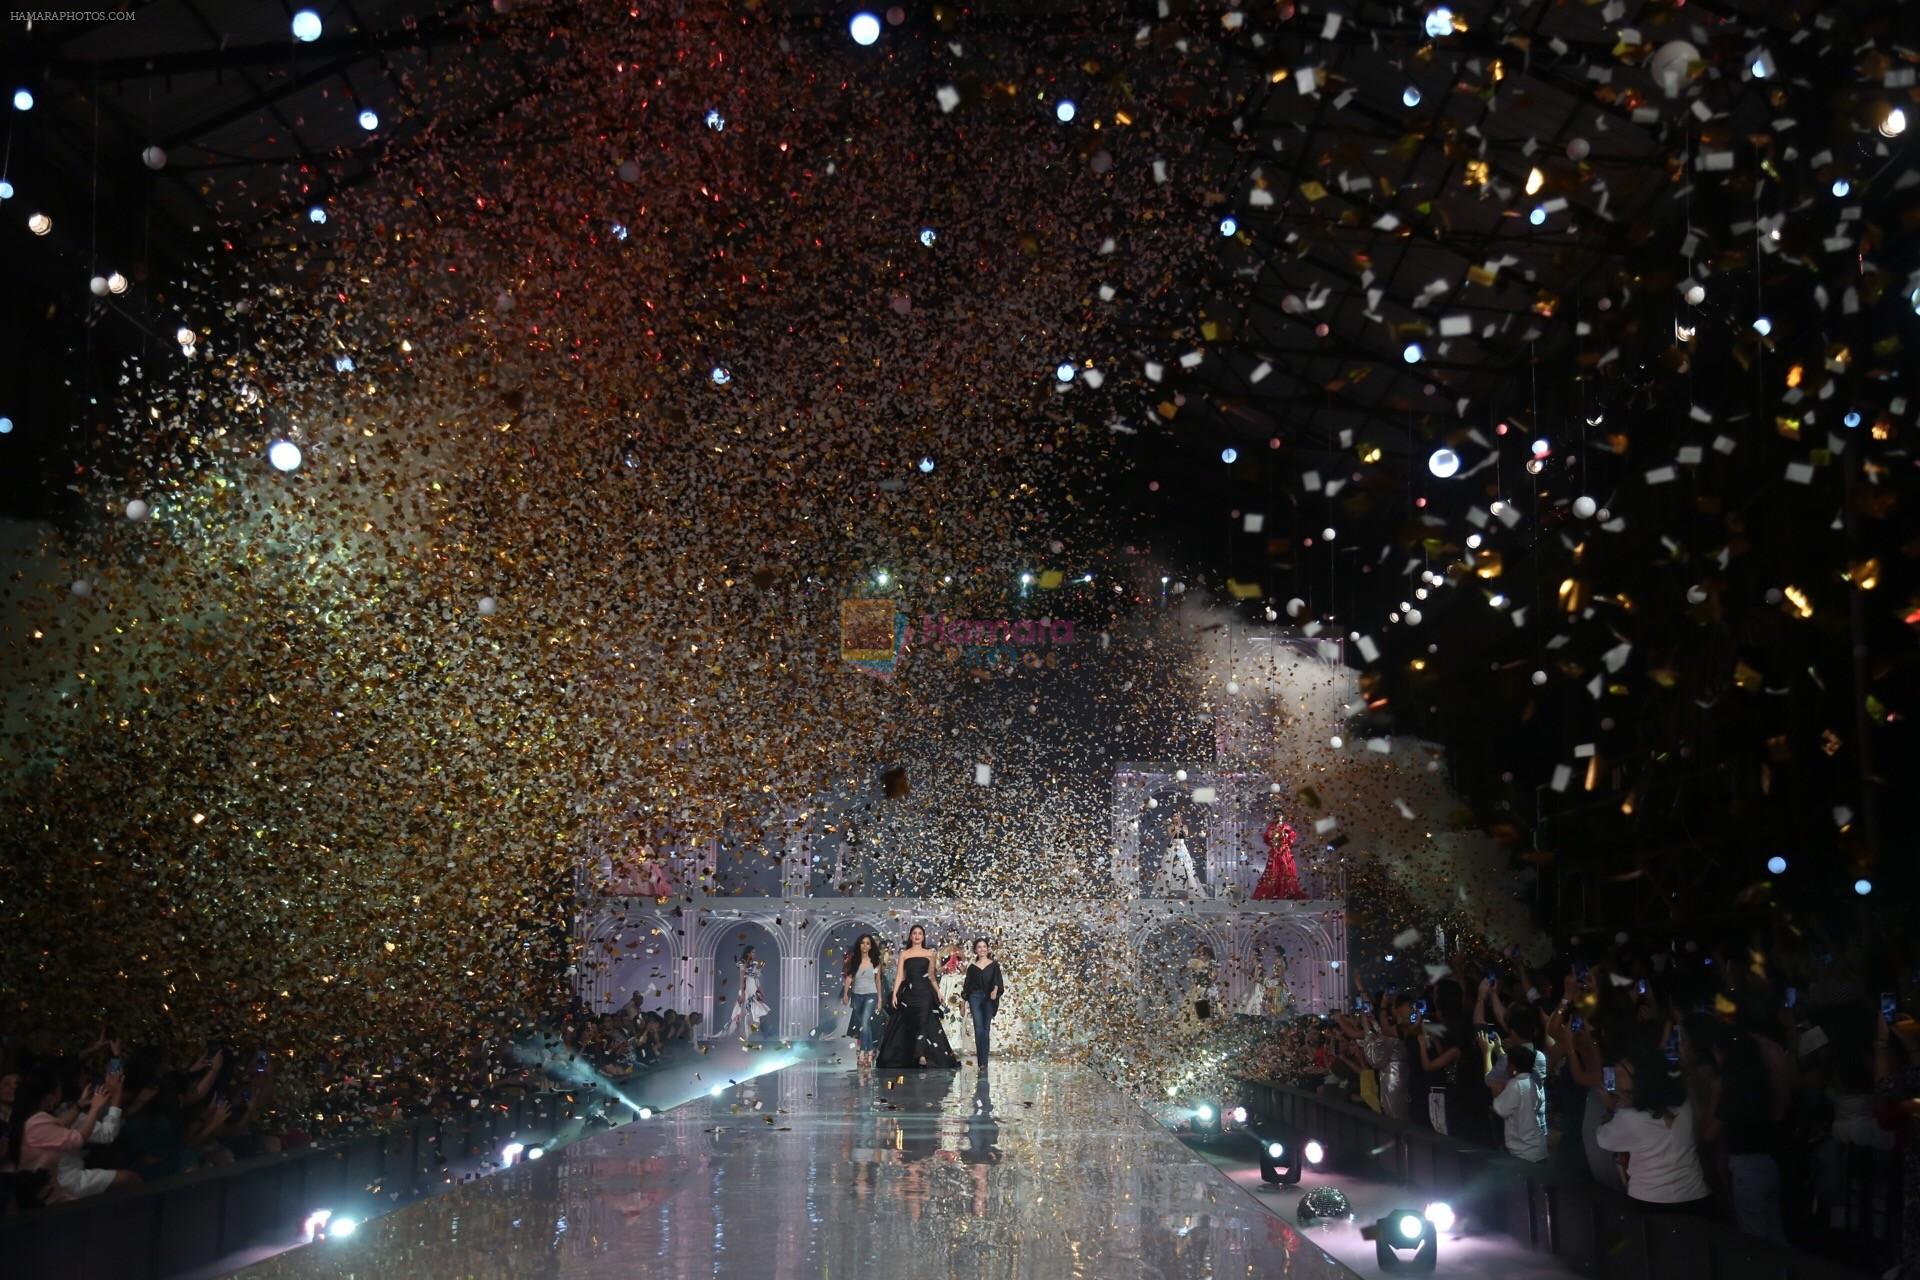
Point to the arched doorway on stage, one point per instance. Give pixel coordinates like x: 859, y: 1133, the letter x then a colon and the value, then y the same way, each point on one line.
x: 641, y: 957
x: 733, y: 938
x: 1177, y: 964
x: 1275, y: 969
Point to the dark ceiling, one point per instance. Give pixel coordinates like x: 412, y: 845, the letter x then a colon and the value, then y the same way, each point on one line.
x: 1385, y: 291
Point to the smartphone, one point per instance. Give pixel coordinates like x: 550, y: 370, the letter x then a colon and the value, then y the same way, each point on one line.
x: 1413, y: 1019
x: 114, y: 1066
x: 1793, y: 996
x: 1579, y: 1023
x: 1641, y: 987
x: 1606, y: 1079
x: 1887, y: 1004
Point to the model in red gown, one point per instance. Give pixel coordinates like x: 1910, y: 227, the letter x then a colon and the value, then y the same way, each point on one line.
x: 1281, y: 881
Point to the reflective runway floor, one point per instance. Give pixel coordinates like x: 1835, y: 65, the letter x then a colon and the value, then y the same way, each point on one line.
x: 819, y: 1171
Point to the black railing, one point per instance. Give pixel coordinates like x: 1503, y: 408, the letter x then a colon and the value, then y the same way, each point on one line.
x: 1595, y: 1230
x: 193, y: 1221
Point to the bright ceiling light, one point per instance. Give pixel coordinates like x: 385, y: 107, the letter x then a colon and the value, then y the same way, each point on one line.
x: 306, y: 26
x: 1064, y: 110
x: 865, y: 29
x: 1535, y: 181
x: 1439, y: 22
x: 1895, y: 123
x: 1443, y: 463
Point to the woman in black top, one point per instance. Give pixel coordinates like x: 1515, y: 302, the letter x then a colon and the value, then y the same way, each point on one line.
x: 982, y: 992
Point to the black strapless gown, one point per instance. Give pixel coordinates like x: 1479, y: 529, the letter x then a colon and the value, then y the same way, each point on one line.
x: 914, y: 1032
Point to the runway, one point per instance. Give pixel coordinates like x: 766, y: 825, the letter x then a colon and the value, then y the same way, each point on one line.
x: 820, y: 1171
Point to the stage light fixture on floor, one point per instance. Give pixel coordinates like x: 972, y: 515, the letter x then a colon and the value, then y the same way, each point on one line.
x: 511, y: 1152
x: 1279, y: 1162
x: 1404, y: 1232
x: 1441, y: 1215
x: 1239, y: 1115
x: 341, y: 1228
x: 1315, y: 1154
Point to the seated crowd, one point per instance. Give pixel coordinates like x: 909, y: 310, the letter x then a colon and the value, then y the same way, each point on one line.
x: 80, y: 1124
x: 1773, y: 1092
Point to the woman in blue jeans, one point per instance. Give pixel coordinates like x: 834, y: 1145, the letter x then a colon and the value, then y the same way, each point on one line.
x: 982, y: 991
x: 862, y: 989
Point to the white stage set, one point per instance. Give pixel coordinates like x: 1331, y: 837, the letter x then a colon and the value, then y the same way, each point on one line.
x: 683, y: 955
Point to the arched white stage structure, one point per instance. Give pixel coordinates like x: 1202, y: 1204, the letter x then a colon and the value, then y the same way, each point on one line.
x: 680, y: 952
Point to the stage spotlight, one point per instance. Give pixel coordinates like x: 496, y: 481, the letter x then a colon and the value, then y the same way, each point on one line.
x: 716, y: 1091
x: 1239, y: 1115
x: 865, y: 28
x: 1438, y: 22
x: 284, y: 455
x: 1064, y: 110
x: 534, y: 1153
x: 1441, y: 1215
x: 22, y: 100
x: 306, y: 26
x: 1203, y: 1113
x: 1443, y: 463
x: 1776, y: 864
x: 316, y: 1224
x: 646, y: 1113
x: 1279, y: 1163
x: 511, y: 1152
x: 341, y: 1228
x: 1315, y: 1153
x: 1404, y: 1231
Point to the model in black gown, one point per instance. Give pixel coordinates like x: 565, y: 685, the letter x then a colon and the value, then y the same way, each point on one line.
x: 914, y: 1036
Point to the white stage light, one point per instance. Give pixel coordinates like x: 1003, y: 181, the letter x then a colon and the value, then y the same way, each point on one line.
x: 1314, y: 1152
x: 316, y: 1224
x: 1441, y: 1215
x: 1443, y: 463
x: 1064, y: 371
x: 716, y: 1091
x: 116, y: 283
x: 1410, y: 96
x: 534, y: 1153
x: 1842, y: 188
x: 1239, y: 1115
x: 39, y: 224
x: 1228, y: 226
x: 1863, y: 886
x: 1412, y: 353
x: 1776, y: 864
x: 1229, y: 456
x: 369, y: 120
x: 511, y: 1152
x: 317, y: 215
x: 646, y: 1113
x: 341, y: 1228
x: 1064, y: 110
x: 865, y: 29
x: 284, y: 455
x: 1204, y: 1113
x: 1439, y: 22
x: 22, y: 100
x: 926, y: 465
x: 306, y: 26
x: 1275, y: 1151
x: 721, y: 376
x: 1895, y: 124
x: 1408, y: 1225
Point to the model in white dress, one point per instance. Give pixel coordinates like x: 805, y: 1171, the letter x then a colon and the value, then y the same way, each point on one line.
x: 1177, y: 872
x: 1268, y: 996
x: 748, y: 1008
